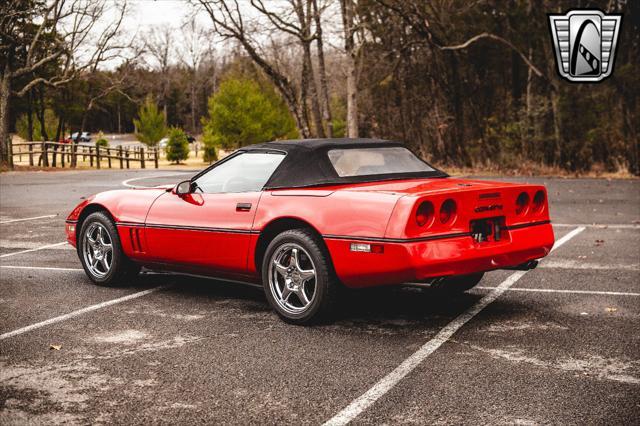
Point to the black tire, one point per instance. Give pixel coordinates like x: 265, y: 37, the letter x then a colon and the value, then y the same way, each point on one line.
x: 457, y: 284
x: 121, y: 271
x: 325, y: 284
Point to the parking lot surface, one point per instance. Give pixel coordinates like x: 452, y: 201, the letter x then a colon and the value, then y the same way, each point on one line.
x: 559, y: 344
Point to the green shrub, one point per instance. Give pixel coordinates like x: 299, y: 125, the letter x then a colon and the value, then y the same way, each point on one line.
x: 210, y: 147
x: 177, y: 145
x: 150, y: 126
x: 102, y: 142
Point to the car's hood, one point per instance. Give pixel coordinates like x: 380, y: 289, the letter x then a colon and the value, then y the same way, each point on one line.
x: 124, y: 205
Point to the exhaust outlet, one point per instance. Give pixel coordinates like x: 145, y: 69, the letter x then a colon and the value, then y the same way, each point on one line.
x: 526, y: 266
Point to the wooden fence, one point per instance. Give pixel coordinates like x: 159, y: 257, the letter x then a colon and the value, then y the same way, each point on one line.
x: 54, y: 154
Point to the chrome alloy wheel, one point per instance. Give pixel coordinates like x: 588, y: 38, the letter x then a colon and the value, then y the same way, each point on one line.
x: 98, y: 250
x: 292, y: 278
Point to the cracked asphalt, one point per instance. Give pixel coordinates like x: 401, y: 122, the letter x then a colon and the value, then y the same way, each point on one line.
x: 561, y: 346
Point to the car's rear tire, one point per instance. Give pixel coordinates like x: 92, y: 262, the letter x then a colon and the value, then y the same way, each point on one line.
x: 101, y: 253
x: 298, y: 277
x: 457, y: 284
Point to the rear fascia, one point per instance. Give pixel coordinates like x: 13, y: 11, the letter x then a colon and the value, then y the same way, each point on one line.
x: 414, y: 253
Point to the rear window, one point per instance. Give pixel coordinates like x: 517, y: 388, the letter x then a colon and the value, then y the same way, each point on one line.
x: 376, y: 161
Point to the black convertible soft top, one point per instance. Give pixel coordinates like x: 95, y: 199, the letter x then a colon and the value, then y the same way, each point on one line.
x: 307, y: 162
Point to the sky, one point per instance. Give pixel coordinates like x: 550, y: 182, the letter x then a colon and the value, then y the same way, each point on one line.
x: 146, y: 14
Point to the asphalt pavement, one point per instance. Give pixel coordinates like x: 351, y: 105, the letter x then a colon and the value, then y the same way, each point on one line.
x: 556, y: 345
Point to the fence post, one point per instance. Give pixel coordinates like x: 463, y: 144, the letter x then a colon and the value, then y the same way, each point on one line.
x: 109, y: 157
x: 155, y: 157
x: 120, y: 156
x: 62, y: 154
x: 90, y: 157
x: 74, y: 154
x: 45, y: 155
x: 127, y: 156
x: 10, y: 149
x: 31, y: 154
x: 55, y: 155
x: 97, y: 156
x: 141, y: 157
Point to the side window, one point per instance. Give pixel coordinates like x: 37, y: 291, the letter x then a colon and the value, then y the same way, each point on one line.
x: 246, y: 172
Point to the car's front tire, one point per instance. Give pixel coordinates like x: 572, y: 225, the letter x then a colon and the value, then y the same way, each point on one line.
x: 101, y: 253
x: 298, y: 277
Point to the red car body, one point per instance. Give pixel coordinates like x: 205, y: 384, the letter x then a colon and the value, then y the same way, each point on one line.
x: 492, y: 225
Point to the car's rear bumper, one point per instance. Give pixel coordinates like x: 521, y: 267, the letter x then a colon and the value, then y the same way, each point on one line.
x: 413, y: 261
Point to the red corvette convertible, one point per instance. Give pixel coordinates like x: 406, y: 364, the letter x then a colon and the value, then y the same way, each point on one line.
x: 308, y: 217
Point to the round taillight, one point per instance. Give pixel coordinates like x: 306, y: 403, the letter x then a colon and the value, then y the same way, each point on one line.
x: 424, y: 215
x: 538, y: 202
x: 447, y: 211
x: 522, y: 203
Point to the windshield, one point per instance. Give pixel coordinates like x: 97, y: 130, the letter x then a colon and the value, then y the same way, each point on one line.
x: 245, y: 172
x: 376, y: 161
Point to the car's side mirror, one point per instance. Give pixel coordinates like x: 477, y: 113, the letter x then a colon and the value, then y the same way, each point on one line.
x: 184, y: 188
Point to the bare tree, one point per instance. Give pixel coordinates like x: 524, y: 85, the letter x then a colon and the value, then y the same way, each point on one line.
x: 196, y: 48
x: 324, y: 88
x: 296, y: 20
x: 48, y: 43
x: 108, y: 46
x: 347, y: 7
x: 159, y: 49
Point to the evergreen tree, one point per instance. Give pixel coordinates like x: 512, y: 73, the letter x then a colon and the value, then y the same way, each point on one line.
x: 150, y: 124
x: 177, y: 145
x: 242, y: 113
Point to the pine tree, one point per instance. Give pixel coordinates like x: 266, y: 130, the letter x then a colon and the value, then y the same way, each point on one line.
x: 177, y: 145
x: 150, y: 125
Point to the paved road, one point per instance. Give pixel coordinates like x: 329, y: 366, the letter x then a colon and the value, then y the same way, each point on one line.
x: 561, y: 345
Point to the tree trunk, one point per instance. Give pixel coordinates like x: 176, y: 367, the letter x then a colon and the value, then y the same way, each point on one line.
x: 528, y: 122
x: 352, y: 77
x: 193, y: 104
x: 41, y: 115
x: 5, y: 93
x: 59, y: 129
x: 119, y: 118
x: 309, y: 81
x: 324, y: 89
x: 557, y: 151
x: 457, y: 153
x: 30, y: 116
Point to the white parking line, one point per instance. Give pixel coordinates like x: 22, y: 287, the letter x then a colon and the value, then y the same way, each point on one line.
x: 598, y: 225
x: 29, y: 218
x: 78, y: 313
x: 127, y: 182
x: 40, y: 268
x: 33, y: 249
x: 576, y: 264
x: 550, y: 290
x: 383, y: 386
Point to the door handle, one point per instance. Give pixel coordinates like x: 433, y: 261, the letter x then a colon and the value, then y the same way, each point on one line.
x: 243, y: 207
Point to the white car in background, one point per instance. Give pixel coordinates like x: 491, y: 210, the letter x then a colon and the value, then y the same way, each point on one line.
x: 82, y: 137
x: 163, y: 142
